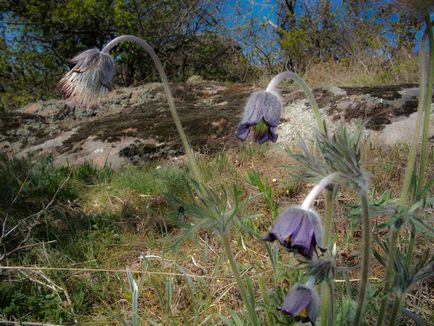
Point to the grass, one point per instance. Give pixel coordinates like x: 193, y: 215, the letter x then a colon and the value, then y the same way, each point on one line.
x: 111, y: 220
x: 366, y: 71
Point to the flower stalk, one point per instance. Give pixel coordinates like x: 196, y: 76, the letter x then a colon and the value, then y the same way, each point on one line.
x: 327, y: 305
x: 427, y: 115
x: 228, y: 251
x: 425, y: 94
x: 364, y: 271
x: 395, y: 310
x: 389, y: 274
x: 422, y: 98
x: 292, y: 75
x: 310, y: 198
x: 189, y: 152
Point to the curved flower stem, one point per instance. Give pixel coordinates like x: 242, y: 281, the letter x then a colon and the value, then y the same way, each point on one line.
x: 308, y: 201
x: 389, y: 274
x: 292, y: 75
x: 227, y: 248
x: 428, y: 101
x: 364, y: 271
x: 131, y: 38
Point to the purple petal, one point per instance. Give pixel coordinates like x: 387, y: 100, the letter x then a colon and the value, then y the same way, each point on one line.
x: 287, y: 223
x: 272, y: 109
x: 85, y: 59
x: 273, y: 134
x: 302, y: 238
x: 262, y: 138
x: 270, y: 135
x: 243, y: 131
x: 107, y: 68
x: 318, y: 229
x: 312, y: 308
x: 253, y: 111
x: 298, y: 298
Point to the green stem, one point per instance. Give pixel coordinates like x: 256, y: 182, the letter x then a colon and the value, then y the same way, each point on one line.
x: 332, y: 304
x: 292, y: 75
x: 188, y: 151
x: 396, y: 309
x: 364, y: 271
x: 326, y: 299
x: 422, y: 97
x: 328, y: 219
x: 411, y: 243
x: 227, y: 248
x: 428, y: 101
x: 326, y: 294
x: 389, y: 274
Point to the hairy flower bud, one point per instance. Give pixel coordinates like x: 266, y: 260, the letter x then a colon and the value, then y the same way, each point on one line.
x: 89, y: 79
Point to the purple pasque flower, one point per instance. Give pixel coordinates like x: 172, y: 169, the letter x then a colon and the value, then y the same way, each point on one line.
x: 301, y: 303
x: 89, y: 79
x: 262, y: 113
x: 298, y: 229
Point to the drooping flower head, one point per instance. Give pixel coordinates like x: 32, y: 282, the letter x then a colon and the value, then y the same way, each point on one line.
x: 89, y: 79
x: 301, y: 303
x: 299, y: 230
x: 262, y: 114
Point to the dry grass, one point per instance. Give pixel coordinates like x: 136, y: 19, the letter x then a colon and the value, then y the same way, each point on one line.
x: 195, y: 300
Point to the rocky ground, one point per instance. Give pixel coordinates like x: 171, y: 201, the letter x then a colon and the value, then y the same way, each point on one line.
x: 133, y: 125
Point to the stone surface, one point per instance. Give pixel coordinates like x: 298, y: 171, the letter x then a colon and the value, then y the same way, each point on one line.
x: 134, y: 125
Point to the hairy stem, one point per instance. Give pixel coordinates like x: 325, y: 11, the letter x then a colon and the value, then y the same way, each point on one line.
x: 328, y: 219
x: 292, y: 75
x: 364, y: 271
x: 308, y: 201
x: 327, y: 313
x: 326, y: 297
x: 428, y: 101
x: 332, y: 303
x: 409, y: 256
x: 189, y: 152
x: 395, y: 310
x: 389, y: 274
x: 422, y: 98
x: 227, y: 248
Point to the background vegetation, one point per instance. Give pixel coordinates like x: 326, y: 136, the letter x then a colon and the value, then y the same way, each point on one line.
x: 223, y: 40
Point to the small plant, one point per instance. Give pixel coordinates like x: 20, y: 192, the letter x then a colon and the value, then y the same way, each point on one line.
x: 333, y: 162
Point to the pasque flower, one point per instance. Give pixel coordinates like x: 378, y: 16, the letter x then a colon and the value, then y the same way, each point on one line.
x: 262, y: 114
x: 89, y: 79
x: 298, y: 229
x: 301, y: 303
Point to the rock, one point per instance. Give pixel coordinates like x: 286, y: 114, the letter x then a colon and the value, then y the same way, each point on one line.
x: 194, y: 80
x: 402, y: 130
x: 133, y: 125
